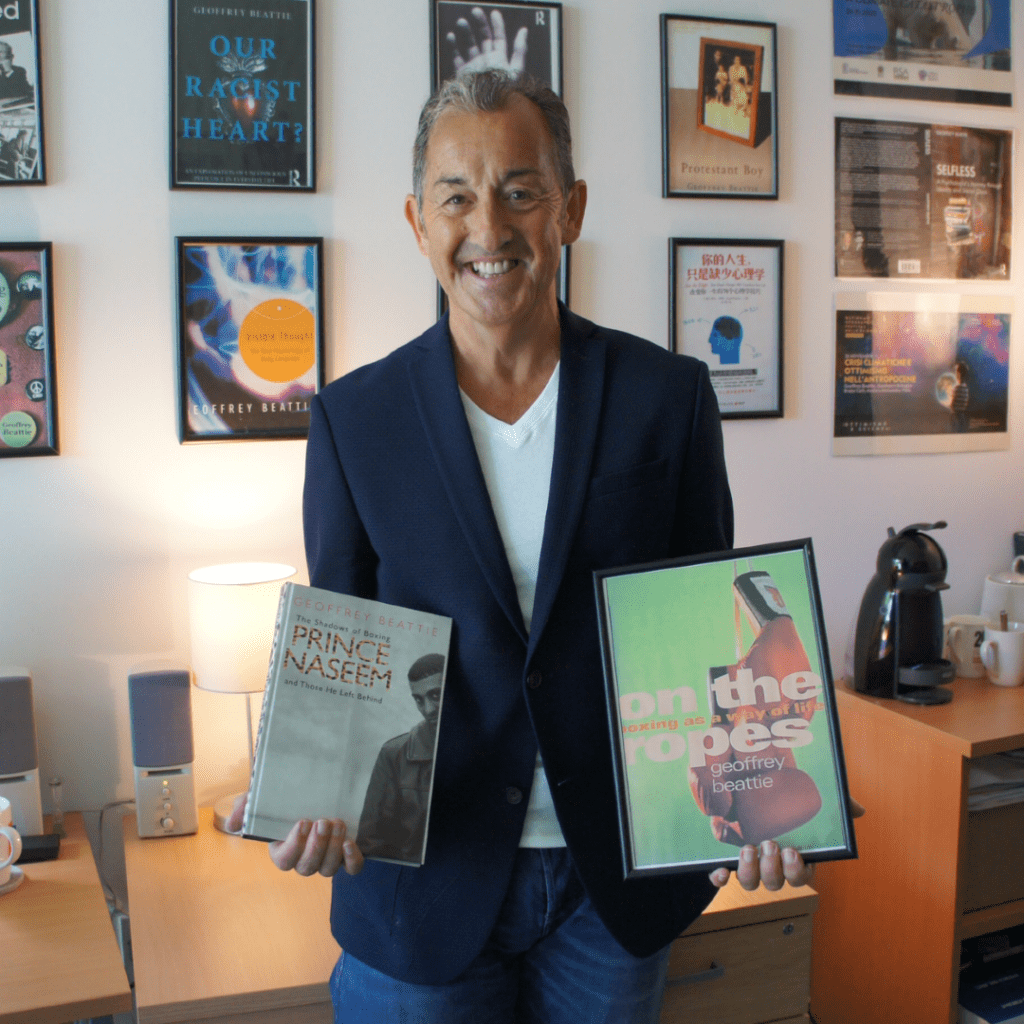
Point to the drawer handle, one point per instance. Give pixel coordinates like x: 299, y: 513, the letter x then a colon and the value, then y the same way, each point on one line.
x: 713, y: 973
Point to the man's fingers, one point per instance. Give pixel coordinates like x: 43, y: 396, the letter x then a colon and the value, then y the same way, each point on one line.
x: 333, y: 854
x: 285, y: 854
x: 772, y: 876
x: 234, y: 822
x: 483, y: 29
x: 748, y: 872
x: 517, y: 63
x: 796, y: 871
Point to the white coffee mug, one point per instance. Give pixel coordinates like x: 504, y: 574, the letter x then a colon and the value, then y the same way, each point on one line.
x: 10, y: 834
x: 1002, y: 652
x: 964, y: 637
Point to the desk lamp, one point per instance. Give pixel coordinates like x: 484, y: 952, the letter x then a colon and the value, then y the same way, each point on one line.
x: 232, y: 609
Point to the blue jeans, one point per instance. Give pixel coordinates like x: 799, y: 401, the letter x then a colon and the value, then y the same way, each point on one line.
x: 549, y: 960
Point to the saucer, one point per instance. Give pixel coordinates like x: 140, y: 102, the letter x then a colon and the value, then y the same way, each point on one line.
x: 17, y: 877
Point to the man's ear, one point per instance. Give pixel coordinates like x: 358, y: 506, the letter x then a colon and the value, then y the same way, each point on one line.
x: 575, y: 207
x: 412, y: 215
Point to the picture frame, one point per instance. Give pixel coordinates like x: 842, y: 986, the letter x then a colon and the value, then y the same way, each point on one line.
x: 722, y: 710
x: 28, y: 367
x: 719, y: 108
x: 726, y: 309
x: 516, y: 34
x: 250, y: 336
x: 242, y: 96
x: 21, y: 96
x: 563, y: 283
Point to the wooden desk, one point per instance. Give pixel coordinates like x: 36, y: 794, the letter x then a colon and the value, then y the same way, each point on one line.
x: 889, y: 926
x: 59, y: 959
x: 218, y: 933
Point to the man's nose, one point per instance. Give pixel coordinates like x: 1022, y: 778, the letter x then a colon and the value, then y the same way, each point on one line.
x: 489, y: 225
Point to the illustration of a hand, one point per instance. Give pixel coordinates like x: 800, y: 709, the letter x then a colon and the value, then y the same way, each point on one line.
x: 483, y: 45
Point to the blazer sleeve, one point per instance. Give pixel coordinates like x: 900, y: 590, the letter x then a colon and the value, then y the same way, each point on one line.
x: 339, y: 554
x: 704, y: 512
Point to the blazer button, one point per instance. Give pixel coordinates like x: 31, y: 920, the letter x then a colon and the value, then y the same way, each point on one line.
x: 513, y: 795
x: 533, y: 680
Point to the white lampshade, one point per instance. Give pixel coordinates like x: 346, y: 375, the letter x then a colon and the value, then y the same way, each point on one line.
x: 231, y: 610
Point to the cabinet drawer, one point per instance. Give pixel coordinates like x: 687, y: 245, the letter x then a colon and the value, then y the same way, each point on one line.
x: 994, y: 870
x: 740, y: 975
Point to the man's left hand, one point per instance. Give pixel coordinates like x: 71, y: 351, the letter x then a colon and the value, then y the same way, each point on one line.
x: 770, y: 866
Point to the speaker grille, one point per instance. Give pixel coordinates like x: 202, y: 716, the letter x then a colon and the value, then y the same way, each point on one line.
x: 161, y: 712
x: 18, y: 751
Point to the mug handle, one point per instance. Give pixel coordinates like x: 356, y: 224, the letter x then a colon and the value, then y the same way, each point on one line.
x: 1018, y: 564
x: 990, y: 656
x: 12, y: 837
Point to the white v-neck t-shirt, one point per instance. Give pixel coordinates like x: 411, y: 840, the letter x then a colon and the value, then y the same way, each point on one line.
x: 516, y: 460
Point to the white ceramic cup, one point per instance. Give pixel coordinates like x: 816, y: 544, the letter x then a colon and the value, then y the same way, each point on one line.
x: 964, y: 637
x: 12, y: 839
x: 1002, y: 652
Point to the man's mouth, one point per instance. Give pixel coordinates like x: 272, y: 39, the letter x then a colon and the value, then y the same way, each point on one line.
x: 487, y: 268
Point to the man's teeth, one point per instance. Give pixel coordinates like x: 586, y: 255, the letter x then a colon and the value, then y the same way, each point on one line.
x: 493, y: 269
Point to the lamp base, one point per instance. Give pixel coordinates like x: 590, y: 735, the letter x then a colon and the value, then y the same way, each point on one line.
x: 222, y: 811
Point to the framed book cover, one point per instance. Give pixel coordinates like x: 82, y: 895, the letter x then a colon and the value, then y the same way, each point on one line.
x: 920, y: 201
x: 952, y: 52
x: 250, y: 336
x: 21, y: 95
x: 918, y: 372
x: 241, y: 95
x: 725, y: 308
x: 722, y: 709
x: 28, y: 371
x: 521, y: 37
x: 719, y: 108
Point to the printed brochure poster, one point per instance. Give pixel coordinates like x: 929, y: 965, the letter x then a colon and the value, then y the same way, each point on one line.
x: 922, y: 201
x: 21, y: 148
x: 921, y: 373
x: 722, y: 710
x: 955, y: 51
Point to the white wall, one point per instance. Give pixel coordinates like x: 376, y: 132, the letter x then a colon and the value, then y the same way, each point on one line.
x: 96, y: 543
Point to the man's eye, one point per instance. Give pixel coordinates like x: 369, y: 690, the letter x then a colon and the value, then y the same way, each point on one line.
x: 519, y: 195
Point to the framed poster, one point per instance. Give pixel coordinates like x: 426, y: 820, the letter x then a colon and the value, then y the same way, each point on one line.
x: 28, y: 373
x: 921, y: 373
x: 725, y: 308
x: 722, y: 710
x: 518, y: 36
x: 719, y: 108
x: 242, y: 113
x: 250, y: 340
x: 922, y: 200
x: 21, y: 96
x: 954, y: 52
x: 562, y: 283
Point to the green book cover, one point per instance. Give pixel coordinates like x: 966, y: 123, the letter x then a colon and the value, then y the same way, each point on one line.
x: 722, y: 710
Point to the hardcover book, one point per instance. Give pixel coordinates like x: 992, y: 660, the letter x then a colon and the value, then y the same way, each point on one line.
x: 722, y: 710
x: 349, y: 722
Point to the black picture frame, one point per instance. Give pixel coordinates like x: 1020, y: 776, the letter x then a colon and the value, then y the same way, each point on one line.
x: 722, y: 709
x: 28, y: 365
x: 21, y: 96
x: 562, y: 285
x: 242, y: 96
x: 250, y: 336
x: 726, y: 309
x: 515, y: 16
x: 719, y: 135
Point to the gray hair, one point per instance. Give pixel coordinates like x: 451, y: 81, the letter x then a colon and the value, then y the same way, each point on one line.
x: 487, y: 91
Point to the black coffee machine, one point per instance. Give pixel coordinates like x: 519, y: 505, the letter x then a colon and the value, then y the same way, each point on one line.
x: 898, y: 645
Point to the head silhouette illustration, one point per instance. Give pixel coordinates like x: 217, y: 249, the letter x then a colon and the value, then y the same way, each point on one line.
x: 726, y: 335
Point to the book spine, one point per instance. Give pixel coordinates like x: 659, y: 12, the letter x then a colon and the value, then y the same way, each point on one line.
x: 259, y: 756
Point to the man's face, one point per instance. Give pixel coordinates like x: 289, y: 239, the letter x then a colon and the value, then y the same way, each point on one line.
x: 494, y: 218
x: 427, y: 694
x: 6, y: 58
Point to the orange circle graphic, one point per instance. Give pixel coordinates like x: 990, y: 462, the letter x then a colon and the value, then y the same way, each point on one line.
x: 277, y: 340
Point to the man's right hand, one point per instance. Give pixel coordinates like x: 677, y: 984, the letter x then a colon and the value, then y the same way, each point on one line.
x: 312, y: 847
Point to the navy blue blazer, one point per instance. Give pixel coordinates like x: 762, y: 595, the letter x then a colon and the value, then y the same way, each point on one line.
x: 396, y: 508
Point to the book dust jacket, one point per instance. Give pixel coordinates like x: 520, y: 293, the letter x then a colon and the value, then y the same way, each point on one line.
x: 349, y: 722
x: 722, y: 710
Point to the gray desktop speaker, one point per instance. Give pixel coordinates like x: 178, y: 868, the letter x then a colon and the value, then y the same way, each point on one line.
x: 160, y: 701
x: 19, y: 755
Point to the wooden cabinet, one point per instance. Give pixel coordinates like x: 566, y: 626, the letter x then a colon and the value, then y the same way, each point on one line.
x: 745, y: 960
x: 929, y: 874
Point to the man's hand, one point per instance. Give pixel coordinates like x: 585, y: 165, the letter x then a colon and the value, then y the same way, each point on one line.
x: 484, y: 45
x: 310, y: 848
x: 772, y: 867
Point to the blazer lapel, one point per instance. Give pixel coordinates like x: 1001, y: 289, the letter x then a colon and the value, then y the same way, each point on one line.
x: 580, y: 387
x: 436, y: 393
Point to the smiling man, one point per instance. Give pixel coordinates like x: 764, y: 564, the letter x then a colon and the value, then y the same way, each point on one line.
x: 484, y: 471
